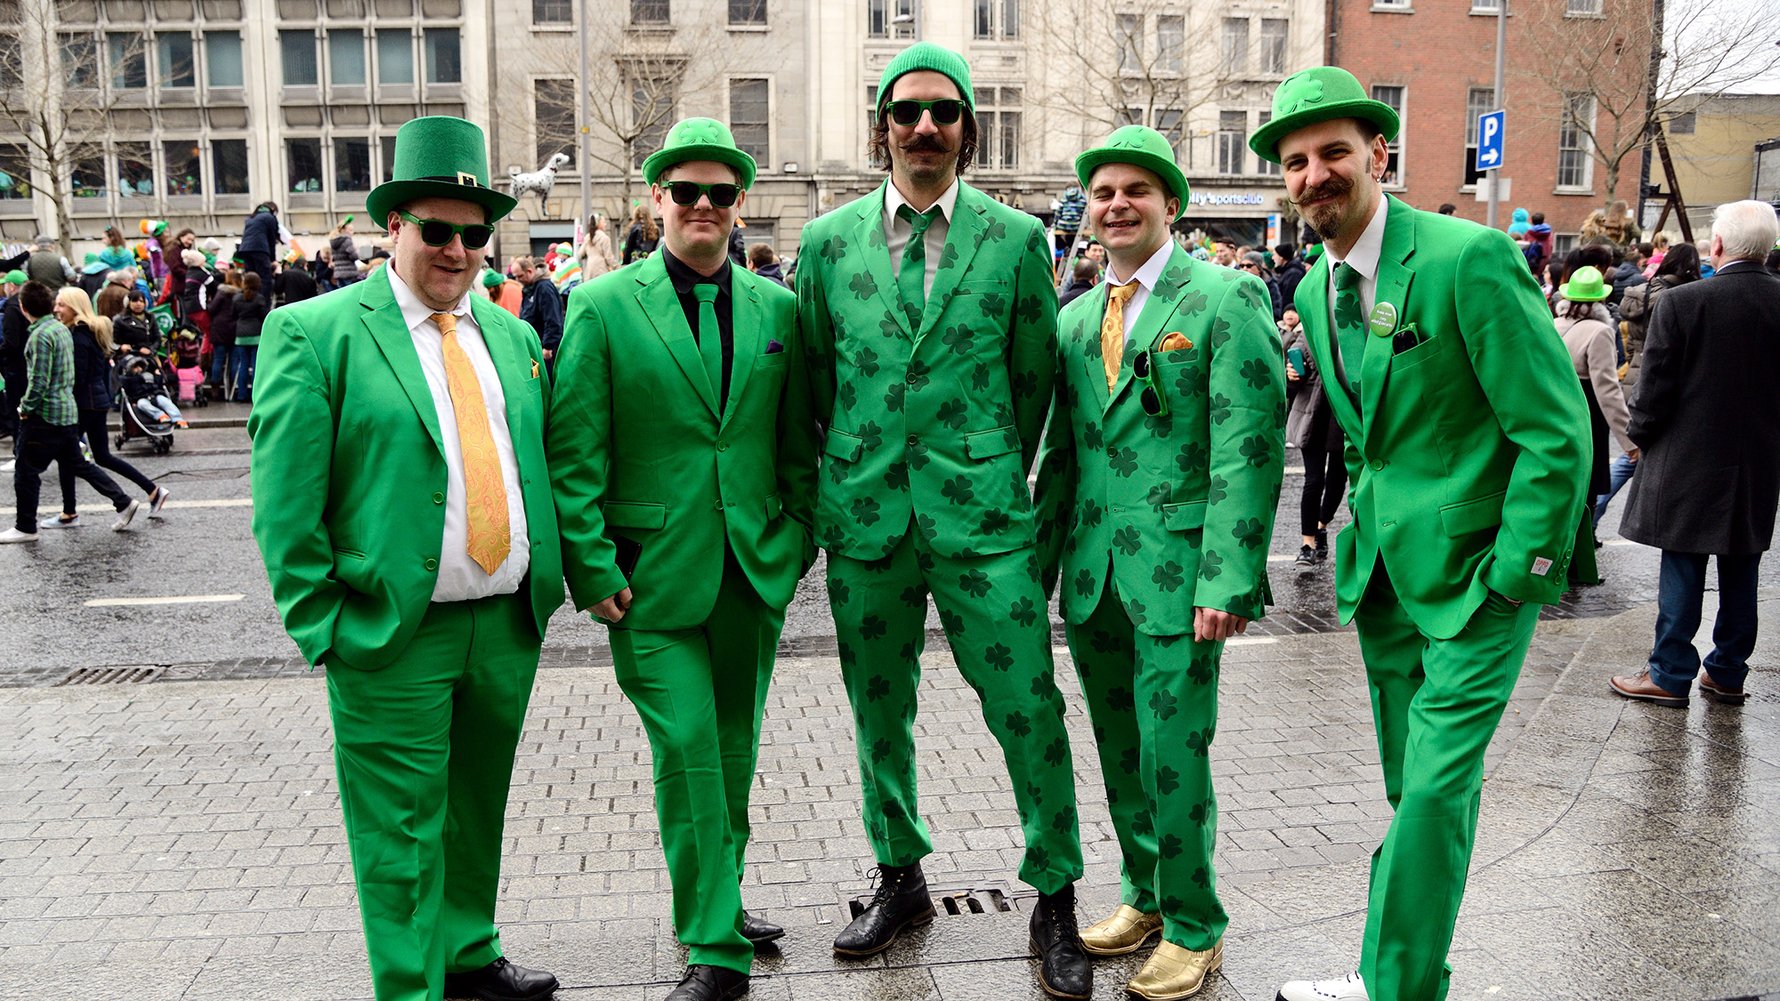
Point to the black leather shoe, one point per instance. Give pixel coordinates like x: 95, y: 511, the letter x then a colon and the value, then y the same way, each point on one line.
x: 759, y: 930
x: 1064, y: 970
x: 710, y: 983
x: 501, y: 981
x: 901, y: 901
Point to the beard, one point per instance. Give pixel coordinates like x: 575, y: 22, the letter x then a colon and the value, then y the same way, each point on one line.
x: 1325, y: 218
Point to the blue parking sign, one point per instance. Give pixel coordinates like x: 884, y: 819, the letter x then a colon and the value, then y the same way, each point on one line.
x: 1490, y: 127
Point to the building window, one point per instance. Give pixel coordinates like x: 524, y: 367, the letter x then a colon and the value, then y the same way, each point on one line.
x: 346, y: 58
x: 1273, y: 45
x: 395, y: 56
x: 1232, y: 141
x: 652, y: 104
x: 890, y: 18
x: 1478, y: 101
x: 998, y: 127
x: 648, y: 11
x: 1128, y: 33
x: 1390, y: 4
x: 1171, y: 42
x: 389, y: 160
x: 87, y: 178
x: 997, y: 18
x: 222, y: 58
x: 352, y: 164
x: 1393, y: 163
x: 553, y: 11
x: 178, y: 68
x: 1486, y: 6
x: 80, y: 61
x: 1573, y: 157
x: 135, y: 170
x: 747, y: 11
x: 228, y: 160
x: 304, y: 165
x: 1583, y: 8
x: 443, y: 64
x: 1234, y: 53
x: 129, y: 61
x: 184, y: 164
x: 297, y: 50
x: 748, y: 117
x: 15, y: 172
x: 553, y: 105
x: 1682, y: 124
x: 1268, y: 168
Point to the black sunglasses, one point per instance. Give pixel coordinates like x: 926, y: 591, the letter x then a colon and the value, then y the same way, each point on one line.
x: 946, y: 111
x: 1155, y: 404
x: 438, y: 233
x: 687, y: 192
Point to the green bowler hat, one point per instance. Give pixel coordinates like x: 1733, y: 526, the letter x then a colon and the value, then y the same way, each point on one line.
x: 1318, y: 94
x: 699, y: 139
x: 1141, y: 146
x: 1585, y: 285
x: 438, y: 157
x: 927, y: 56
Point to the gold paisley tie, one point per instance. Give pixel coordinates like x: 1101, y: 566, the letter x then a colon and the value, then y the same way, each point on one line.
x: 485, y: 495
x: 1112, y: 330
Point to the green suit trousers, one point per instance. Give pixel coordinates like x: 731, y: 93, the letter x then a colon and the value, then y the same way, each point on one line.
x: 424, y: 752
x: 1154, y: 703
x: 701, y: 692
x: 1436, y: 704
x: 993, y: 610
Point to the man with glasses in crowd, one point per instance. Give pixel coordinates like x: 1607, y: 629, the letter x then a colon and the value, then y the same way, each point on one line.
x: 1158, y: 485
x: 928, y: 313
x: 403, y: 508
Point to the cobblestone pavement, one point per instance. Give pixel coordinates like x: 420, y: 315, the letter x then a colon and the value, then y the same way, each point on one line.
x: 183, y: 841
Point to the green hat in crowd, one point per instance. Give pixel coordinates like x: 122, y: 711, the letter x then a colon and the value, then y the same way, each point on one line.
x: 92, y: 265
x: 491, y: 278
x: 15, y: 277
x: 1141, y: 146
x: 439, y: 156
x: 1585, y: 285
x: 1318, y: 94
x: 699, y: 139
x: 927, y: 56
x: 1312, y: 252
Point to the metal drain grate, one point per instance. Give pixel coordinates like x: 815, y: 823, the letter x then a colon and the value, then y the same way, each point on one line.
x: 951, y: 902
x: 138, y: 674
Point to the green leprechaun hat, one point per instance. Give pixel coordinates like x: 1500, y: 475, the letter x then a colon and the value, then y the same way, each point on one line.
x: 927, y: 56
x: 1318, y: 94
x: 1586, y: 285
x: 1140, y: 146
x: 699, y: 139
x: 438, y: 156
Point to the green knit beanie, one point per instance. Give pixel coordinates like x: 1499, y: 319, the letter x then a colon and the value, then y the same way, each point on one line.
x: 928, y: 56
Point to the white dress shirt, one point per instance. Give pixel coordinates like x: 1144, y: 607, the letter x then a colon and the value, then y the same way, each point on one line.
x: 460, y: 577
x: 1362, y: 257
x: 896, y: 231
x: 1146, y: 278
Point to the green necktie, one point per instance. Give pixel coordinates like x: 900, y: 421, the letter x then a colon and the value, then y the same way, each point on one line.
x: 710, y: 339
x: 911, y: 281
x: 1350, y: 325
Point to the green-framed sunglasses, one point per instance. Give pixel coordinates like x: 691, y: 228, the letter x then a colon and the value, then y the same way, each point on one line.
x: 438, y: 233
x: 1153, y: 400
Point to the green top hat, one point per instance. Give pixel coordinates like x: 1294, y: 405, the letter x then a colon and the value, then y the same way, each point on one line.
x: 927, y: 56
x: 1318, y: 94
x: 1140, y: 146
x: 438, y: 157
x: 699, y: 139
x: 1585, y: 285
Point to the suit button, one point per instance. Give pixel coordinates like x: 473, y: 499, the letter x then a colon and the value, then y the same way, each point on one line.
x: 722, y: 446
x: 913, y: 379
x: 431, y: 564
x: 913, y: 441
x: 438, y: 498
x: 1378, y: 464
x: 1111, y: 452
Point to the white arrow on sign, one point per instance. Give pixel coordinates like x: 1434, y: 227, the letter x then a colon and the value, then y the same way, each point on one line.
x: 1490, y: 156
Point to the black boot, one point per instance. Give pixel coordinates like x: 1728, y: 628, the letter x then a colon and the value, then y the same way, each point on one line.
x: 501, y: 981
x: 901, y: 901
x: 1064, y: 970
x: 710, y: 983
x: 759, y: 930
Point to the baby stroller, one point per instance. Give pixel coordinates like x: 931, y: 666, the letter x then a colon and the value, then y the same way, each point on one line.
x: 139, y: 380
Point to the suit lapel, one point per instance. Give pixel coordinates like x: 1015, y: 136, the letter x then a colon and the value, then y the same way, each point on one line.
x: 383, y: 318
x: 964, y: 234
x: 507, y: 367
x: 1087, y: 335
x: 1319, y: 333
x: 1157, y: 308
x: 659, y: 302
x: 869, y: 235
x: 747, y: 319
x: 1392, y: 286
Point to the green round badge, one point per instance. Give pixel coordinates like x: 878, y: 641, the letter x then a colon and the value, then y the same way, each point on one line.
x: 1383, y: 320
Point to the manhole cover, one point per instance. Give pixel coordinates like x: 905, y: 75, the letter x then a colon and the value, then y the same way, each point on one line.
x: 951, y: 902
x: 130, y: 675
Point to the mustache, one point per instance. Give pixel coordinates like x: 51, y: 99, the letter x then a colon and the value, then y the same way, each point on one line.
x: 1330, y: 188
x: 926, y: 144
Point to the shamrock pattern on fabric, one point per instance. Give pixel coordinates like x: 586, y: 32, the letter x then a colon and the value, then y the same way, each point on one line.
x: 863, y: 285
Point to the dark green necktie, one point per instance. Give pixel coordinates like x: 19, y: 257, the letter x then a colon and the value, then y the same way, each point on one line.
x: 710, y: 338
x: 1350, y: 325
x: 911, y: 281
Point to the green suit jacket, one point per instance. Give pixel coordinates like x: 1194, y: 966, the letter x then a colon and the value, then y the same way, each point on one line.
x: 941, y: 422
x: 1179, y: 506
x: 1467, y: 454
x: 349, y: 479
x: 638, y: 450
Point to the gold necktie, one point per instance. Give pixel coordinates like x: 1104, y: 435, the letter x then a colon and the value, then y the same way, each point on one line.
x: 1112, y: 330
x: 485, y: 495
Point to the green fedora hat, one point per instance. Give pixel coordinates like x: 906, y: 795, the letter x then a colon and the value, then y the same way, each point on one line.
x: 927, y: 56
x: 438, y: 156
x: 699, y: 139
x: 1585, y: 285
x: 1141, y: 146
x: 1318, y: 94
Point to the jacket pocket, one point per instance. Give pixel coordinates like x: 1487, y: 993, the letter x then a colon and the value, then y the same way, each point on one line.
x: 634, y: 514
x: 351, y: 554
x: 1464, y: 517
x: 1183, y: 516
x: 843, y: 445
x: 988, y: 444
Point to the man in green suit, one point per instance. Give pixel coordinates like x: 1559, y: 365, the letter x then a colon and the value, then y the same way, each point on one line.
x: 928, y: 317
x: 1158, y: 485
x: 1466, y: 437
x: 403, y: 508
x: 681, y: 449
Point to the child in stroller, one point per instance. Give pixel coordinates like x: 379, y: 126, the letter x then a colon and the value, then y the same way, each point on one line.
x: 145, y: 394
x: 183, y: 361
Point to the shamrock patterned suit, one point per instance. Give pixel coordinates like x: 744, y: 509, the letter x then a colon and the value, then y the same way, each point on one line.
x: 931, y: 426
x: 1146, y: 518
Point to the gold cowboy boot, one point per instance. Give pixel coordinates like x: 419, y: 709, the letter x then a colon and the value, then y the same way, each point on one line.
x: 1173, y: 973
x: 1125, y: 931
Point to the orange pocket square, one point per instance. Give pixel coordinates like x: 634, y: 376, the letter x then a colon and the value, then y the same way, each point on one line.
x: 1176, y: 342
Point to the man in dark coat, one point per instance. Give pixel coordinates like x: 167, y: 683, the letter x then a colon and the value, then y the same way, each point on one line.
x: 259, y: 240
x: 1707, y: 420
x: 540, y: 305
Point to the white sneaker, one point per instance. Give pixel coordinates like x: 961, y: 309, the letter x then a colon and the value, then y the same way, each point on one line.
x: 125, y: 516
x: 1348, y: 988
x: 14, y: 535
x: 9, y: 465
x: 157, y: 501
x: 56, y: 521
